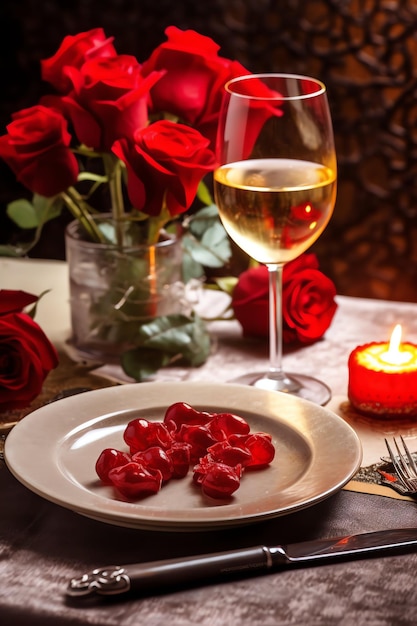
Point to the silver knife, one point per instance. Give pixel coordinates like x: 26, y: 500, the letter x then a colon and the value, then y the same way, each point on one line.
x: 156, y: 576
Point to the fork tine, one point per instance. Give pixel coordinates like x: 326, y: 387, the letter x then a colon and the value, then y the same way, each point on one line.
x: 407, y: 483
x: 397, y: 466
x: 410, y: 458
x: 402, y: 461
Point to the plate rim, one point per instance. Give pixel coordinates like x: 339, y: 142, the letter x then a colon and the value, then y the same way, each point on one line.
x: 122, y: 396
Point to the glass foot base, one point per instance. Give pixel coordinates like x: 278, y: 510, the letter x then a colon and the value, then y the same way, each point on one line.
x: 299, y: 385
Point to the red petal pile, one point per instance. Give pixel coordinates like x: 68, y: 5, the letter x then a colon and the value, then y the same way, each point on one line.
x: 219, y: 446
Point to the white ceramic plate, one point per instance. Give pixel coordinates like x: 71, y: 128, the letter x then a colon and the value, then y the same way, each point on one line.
x: 54, y: 449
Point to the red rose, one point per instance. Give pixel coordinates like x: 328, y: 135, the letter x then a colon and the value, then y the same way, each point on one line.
x: 250, y: 301
x: 15, y: 301
x: 308, y: 301
x: 165, y: 159
x: 26, y: 354
x: 192, y: 87
x: 36, y: 149
x: 109, y: 100
x: 73, y: 52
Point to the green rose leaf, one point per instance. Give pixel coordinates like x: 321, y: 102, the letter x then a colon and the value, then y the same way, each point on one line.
x: 213, y: 250
x: 141, y: 363
x: 47, y: 208
x: 204, y: 219
x: 207, y: 241
x: 23, y: 213
x: 172, y: 337
x: 190, y: 268
x: 178, y: 334
x: 28, y: 215
x: 217, y: 242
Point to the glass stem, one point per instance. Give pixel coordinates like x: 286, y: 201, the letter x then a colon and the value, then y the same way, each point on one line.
x: 275, y: 321
x: 275, y: 372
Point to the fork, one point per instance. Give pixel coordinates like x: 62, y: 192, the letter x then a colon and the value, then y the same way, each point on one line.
x: 404, y: 465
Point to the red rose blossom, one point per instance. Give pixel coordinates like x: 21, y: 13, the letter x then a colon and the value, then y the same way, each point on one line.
x: 192, y: 88
x: 165, y: 159
x: 109, y: 100
x: 308, y: 304
x: 15, y: 301
x: 73, y: 52
x: 250, y: 301
x: 26, y: 354
x: 36, y: 149
x: 308, y: 300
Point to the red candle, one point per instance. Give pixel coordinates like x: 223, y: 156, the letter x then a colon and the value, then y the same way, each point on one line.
x: 383, y: 378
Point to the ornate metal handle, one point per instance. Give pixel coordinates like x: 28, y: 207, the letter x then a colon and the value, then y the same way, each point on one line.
x: 167, y: 574
x: 104, y: 581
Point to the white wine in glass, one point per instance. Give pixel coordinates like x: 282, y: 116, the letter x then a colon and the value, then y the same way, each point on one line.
x: 275, y: 188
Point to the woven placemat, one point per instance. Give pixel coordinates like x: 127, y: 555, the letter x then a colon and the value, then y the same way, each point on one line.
x: 68, y: 375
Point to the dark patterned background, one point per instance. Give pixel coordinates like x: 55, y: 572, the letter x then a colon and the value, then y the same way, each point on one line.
x: 364, y: 50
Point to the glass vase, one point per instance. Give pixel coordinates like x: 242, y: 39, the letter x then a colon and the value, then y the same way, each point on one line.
x: 115, y: 288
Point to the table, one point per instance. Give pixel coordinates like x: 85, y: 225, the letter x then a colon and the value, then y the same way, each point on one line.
x: 43, y: 545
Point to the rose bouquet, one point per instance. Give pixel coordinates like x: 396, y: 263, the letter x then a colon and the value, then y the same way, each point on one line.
x: 141, y: 134
x: 26, y: 354
x: 132, y: 138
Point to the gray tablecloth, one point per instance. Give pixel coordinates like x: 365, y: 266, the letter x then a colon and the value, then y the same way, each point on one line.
x: 44, y: 545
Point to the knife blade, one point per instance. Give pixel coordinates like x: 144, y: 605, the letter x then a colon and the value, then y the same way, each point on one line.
x: 155, y: 576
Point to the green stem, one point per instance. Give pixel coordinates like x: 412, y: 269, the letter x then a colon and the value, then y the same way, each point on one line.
x: 113, y: 169
x: 156, y: 224
x: 76, y: 205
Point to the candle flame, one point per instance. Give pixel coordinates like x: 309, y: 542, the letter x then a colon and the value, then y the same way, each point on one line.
x: 394, y: 343
x: 395, y: 356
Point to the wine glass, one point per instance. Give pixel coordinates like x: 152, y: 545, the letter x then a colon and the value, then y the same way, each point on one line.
x: 275, y: 188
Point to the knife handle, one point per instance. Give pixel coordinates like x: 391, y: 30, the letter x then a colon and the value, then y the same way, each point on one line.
x: 156, y: 575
